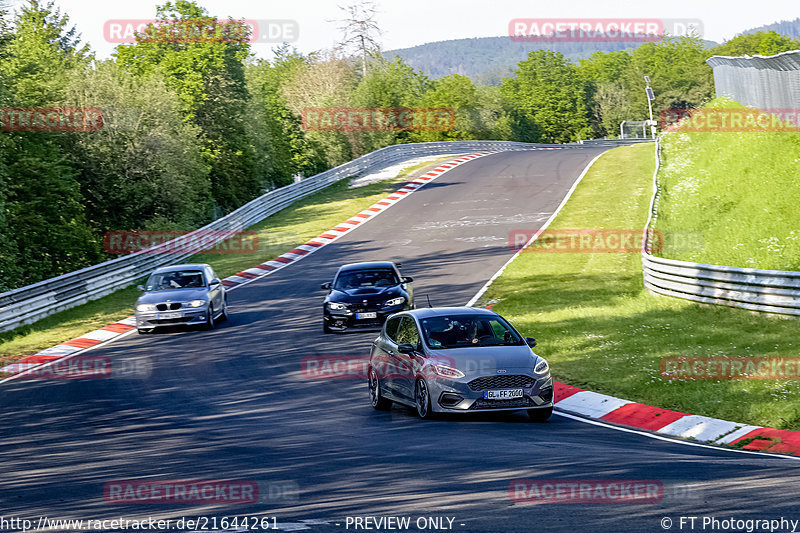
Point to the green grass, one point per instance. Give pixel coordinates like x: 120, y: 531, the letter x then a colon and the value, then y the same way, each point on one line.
x: 737, y: 192
x: 601, y: 330
x: 277, y: 234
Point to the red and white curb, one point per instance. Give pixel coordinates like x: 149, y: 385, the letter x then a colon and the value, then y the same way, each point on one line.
x: 114, y: 331
x: 673, y: 423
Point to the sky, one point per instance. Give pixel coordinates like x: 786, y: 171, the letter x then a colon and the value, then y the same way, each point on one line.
x: 411, y: 22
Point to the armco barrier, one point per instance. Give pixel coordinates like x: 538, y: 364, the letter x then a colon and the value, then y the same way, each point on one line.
x: 769, y: 291
x: 34, y: 302
x: 771, y: 82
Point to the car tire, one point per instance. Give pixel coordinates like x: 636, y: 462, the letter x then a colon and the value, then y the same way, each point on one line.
x: 379, y: 403
x: 209, y: 325
x: 422, y: 400
x: 325, y: 328
x: 540, y: 415
x: 223, y: 316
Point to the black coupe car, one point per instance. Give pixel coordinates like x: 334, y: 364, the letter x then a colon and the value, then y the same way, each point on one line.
x: 362, y: 295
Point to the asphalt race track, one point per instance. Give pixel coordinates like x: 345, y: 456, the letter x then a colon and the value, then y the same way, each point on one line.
x: 233, y: 404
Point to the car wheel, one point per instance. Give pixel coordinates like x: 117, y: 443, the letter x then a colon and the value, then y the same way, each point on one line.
x: 540, y: 415
x: 325, y: 328
x: 379, y: 403
x: 210, y: 318
x: 224, y: 315
x: 423, y: 400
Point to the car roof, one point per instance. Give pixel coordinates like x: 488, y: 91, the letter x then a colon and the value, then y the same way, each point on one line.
x: 430, y: 312
x: 174, y: 268
x: 366, y: 266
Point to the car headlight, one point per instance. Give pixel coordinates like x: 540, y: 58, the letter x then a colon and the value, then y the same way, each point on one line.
x: 145, y: 308
x: 197, y: 303
x: 336, y: 305
x: 541, y: 367
x: 394, y: 301
x: 448, y: 371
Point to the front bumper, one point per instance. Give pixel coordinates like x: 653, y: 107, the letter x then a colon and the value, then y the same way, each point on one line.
x: 457, y: 396
x: 345, y: 319
x: 188, y: 317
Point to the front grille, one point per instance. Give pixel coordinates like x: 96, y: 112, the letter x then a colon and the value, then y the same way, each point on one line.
x: 168, y: 307
x: 365, y: 308
x: 501, y: 404
x: 367, y: 323
x: 172, y: 320
x: 501, y: 382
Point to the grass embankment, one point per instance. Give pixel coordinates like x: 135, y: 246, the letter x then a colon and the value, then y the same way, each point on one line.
x: 277, y: 234
x: 601, y: 330
x: 737, y: 191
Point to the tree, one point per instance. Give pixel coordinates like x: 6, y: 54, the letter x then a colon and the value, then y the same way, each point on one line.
x: 360, y: 31
x: 607, y: 94
x: 208, y: 76
x: 288, y: 151
x: 548, y: 99
x: 144, y: 169
x: 459, y: 94
x: 759, y: 43
x: 324, y: 83
x: 680, y: 76
x: 43, y: 211
x: 388, y: 84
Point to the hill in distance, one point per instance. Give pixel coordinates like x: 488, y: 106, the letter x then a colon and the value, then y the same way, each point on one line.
x: 487, y: 60
x: 789, y: 28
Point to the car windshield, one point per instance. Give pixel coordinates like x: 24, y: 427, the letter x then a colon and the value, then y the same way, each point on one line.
x: 361, y: 279
x: 179, y: 279
x: 461, y: 331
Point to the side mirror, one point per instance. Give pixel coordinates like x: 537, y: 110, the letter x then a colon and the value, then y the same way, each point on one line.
x: 406, y: 348
x: 214, y: 281
x: 530, y: 341
x: 407, y: 279
x: 140, y: 287
x: 326, y: 286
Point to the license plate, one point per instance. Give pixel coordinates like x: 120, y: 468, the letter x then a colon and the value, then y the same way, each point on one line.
x: 359, y: 316
x: 168, y: 315
x: 505, y: 394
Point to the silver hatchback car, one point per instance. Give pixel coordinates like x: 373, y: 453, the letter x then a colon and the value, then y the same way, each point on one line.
x: 181, y: 295
x: 457, y: 360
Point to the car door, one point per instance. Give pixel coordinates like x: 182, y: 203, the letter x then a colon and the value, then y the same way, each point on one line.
x: 404, y: 377
x: 383, y: 350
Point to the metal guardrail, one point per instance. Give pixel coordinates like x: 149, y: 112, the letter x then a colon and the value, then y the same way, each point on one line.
x: 771, y: 82
x: 769, y: 291
x: 615, y: 141
x: 28, y: 304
